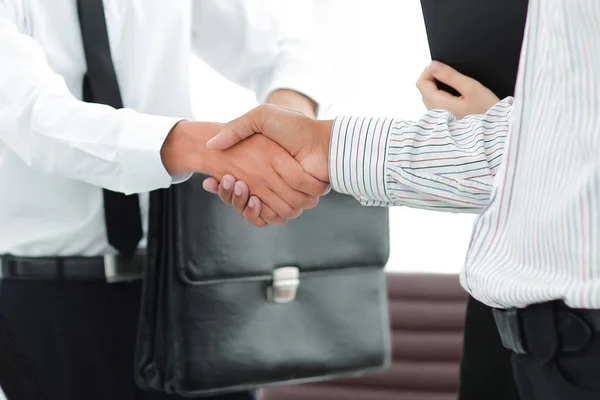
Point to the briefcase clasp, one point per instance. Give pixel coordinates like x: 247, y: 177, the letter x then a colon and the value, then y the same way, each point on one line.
x: 285, y: 285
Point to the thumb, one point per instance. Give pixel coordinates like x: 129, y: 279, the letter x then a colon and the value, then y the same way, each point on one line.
x: 448, y: 75
x: 237, y: 130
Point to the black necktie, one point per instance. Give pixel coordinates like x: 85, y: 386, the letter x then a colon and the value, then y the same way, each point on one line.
x: 100, y: 85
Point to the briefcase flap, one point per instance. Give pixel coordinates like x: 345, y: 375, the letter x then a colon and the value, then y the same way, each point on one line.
x: 214, y: 243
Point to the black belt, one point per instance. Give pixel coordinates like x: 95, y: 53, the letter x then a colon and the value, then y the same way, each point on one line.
x: 109, y: 268
x: 575, y: 327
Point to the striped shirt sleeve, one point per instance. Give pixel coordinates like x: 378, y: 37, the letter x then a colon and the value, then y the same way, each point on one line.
x: 437, y: 163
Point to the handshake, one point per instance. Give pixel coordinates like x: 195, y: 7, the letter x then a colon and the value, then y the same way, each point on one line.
x: 278, y: 156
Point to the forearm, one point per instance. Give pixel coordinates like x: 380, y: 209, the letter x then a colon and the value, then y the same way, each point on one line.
x: 50, y: 130
x: 435, y: 163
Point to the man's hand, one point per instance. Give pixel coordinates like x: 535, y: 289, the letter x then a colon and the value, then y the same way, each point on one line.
x: 475, y: 98
x: 268, y: 170
x: 225, y: 189
x: 307, y: 140
x: 236, y: 194
x: 288, y: 128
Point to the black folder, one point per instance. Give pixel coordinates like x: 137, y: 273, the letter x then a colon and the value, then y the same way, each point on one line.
x: 480, y: 38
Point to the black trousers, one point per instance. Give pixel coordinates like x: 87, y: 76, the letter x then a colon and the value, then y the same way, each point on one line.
x: 548, y: 373
x: 78, y: 337
x: 486, y: 371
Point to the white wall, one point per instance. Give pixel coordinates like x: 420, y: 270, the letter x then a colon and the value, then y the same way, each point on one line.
x: 374, y: 50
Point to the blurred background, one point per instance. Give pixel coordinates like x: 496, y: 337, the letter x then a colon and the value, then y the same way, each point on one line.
x: 372, y: 52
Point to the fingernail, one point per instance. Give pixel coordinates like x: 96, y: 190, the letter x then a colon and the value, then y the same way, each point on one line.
x: 227, y: 184
x: 237, y: 190
x: 251, y: 203
x: 434, y: 67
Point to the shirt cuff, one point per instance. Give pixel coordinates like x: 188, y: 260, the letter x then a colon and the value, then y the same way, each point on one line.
x: 138, y: 153
x: 358, y: 156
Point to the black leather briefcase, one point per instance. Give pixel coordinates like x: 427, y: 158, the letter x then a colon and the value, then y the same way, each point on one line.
x: 229, y: 307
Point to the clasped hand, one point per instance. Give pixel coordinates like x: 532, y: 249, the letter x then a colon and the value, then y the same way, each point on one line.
x: 280, y: 172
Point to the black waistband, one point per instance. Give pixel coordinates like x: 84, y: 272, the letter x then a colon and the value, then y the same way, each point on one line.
x: 110, y: 268
x: 574, y: 327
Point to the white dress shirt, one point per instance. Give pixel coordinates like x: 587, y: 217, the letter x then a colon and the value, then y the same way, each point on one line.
x: 532, y: 169
x: 56, y: 152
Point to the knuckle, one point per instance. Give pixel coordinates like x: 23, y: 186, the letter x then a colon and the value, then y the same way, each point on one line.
x: 273, y: 219
x: 263, y: 109
x: 299, y: 213
x: 469, y: 87
x: 295, y: 181
x: 288, y: 213
x: 239, y: 203
x: 267, y: 214
x: 259, y: 223
x: 224, y: 198
x: 312, y: 203
x: 294, y: 213
x: 285, y: 208
x: 298, y: 202
x: 305, y: 203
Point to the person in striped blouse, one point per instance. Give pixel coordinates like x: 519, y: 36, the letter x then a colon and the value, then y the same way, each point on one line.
x: 485, y: 368
x: 529, y: 166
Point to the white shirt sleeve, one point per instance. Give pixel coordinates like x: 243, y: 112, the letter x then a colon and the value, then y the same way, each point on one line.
x: 52, y: 131
x: 436, y: 163
x: 260, y: 45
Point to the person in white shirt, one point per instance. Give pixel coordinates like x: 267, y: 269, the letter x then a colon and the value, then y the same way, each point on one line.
x: 62, y: 159
x: 529, y: 166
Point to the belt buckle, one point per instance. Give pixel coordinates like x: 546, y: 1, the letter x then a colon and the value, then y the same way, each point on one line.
x: 509, y: 327
x: 117, y: 269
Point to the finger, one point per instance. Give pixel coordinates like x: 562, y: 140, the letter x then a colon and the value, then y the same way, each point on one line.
x: 211, y: 185
x: 252, y: 212
x: 293, y: 174
x: 426, y: 82
x: 238, y: 129
x: 448, y: 75
x: 279, y: 203
x: 269, y: 216
x: 431, y: 93
x: 241, y: 195
x: 295, y: 200
x: 434, y: 98
x: 226, y: 189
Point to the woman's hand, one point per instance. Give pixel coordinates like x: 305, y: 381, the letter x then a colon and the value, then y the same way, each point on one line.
x: 475, y: 98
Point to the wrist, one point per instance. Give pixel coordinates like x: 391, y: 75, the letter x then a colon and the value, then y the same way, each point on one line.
x: 323, y: 135
x: 324, y: 132
x: 293, y: 100
x: 184, y: 151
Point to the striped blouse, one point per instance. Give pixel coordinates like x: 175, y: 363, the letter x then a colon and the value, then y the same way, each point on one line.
x: 530, y: 169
